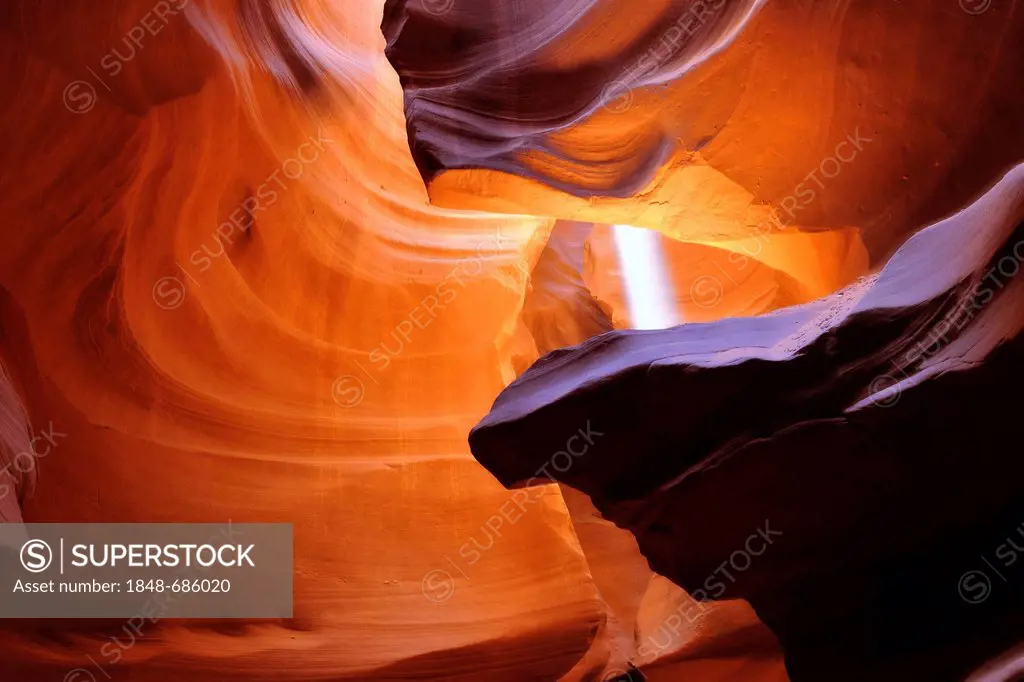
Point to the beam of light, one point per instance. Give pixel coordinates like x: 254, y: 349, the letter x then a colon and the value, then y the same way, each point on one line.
x: 649, y: 290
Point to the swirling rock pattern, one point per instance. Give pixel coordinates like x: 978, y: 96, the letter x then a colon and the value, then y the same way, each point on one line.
x: 223, y: 282
x: 717, y: 109
x: 270, y: 260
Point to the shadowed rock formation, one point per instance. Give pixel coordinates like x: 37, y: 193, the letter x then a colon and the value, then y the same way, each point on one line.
x: 847, y: 466
x: 694, y: 116
x: 263, y: 261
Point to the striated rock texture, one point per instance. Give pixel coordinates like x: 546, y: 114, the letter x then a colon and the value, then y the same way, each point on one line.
x: 222, y: 284
x: 593, y: 110
x: 693, y: 117
x: 224, y: 295
x: 809, y: 141
x: 847, y: 466
x: 271, y: 260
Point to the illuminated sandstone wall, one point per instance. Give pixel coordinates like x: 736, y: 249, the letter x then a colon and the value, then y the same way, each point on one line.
x: 201, y: 262
x: 225, y: 294
x: 695, y: 117
x: 224, y: 288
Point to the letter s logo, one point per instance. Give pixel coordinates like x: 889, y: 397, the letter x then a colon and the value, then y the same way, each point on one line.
x: 36, y: 556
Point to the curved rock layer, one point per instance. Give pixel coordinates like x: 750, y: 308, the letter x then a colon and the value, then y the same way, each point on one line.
x: 695, y: 117
x: 846, y: 466
x: 226, y: 293
x: 223, y: 287
x: 222, y: 284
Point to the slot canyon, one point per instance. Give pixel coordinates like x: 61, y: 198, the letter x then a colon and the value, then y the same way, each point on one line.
x: 577, y: 340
